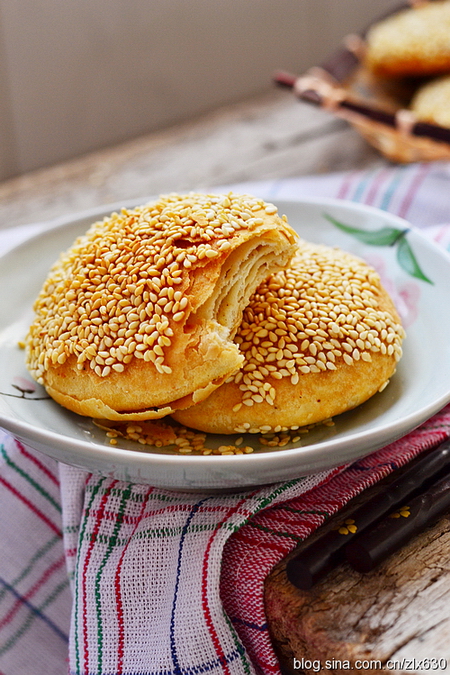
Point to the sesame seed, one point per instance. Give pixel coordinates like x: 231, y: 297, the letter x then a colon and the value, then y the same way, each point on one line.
x: 383, y: 386
x: 288, y: 331
x: 129, y: 276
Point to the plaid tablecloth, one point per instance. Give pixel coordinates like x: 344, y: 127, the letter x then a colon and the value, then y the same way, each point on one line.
x: 103, y: 577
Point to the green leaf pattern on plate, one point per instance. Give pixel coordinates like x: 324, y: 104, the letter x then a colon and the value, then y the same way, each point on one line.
x: 408, y: 261
x: 386, y: 236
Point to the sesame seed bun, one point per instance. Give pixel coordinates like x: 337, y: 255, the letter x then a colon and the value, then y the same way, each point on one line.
x: 431, y: 102
x: 318, y: 339
x: 136, y: 319
x: 413, y: 42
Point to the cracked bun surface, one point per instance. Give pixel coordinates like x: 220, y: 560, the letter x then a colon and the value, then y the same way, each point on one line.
x: 137, y: 318
x: 318, y: 339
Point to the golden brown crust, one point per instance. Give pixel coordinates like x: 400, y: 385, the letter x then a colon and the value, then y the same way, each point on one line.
x: 198, y: 370
x: 318, y: 339
x: 413, y: 42
x: 136, y: 319
x: 431, y: 102
x: 317, y: 397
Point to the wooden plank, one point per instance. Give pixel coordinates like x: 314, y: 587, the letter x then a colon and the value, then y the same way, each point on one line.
x: 267, y: 137
x: 399, y: 611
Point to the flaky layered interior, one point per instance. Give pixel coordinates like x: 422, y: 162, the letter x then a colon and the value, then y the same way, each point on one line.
x: 245, y: 268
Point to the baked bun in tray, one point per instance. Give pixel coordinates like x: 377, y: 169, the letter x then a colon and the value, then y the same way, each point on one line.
x: 413, y: 42
x: 371, y: 78
x: 318, y: 339
x: 137, y: 318
x: 431, y: 102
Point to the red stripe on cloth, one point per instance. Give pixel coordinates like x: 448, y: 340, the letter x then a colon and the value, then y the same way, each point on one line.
x: 93, y: 539
x: 130, y: 520
x: 282, y: 545
x: 70, y: 552
x: 117, y: 586
x: 372, y: 193
x: 441, y: 233
x: 32, y: 458
x: 173, y: 508
x: 345, y: 187
x: 19, y: 602
x: 31, y: 506
x: 206, y: 611
x: 111, y: 515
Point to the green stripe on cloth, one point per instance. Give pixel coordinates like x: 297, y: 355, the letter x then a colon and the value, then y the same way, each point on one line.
x: 157, y: 533
x: 362, y: 185
x: 29, y: 479
x: 125, y: 496
x: 137, y: 497
x: 238, y: 644
x: 94, y: 491
x: 268, y: 499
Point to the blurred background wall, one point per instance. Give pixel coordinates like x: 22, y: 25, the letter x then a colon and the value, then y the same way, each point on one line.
x: 77, y: 75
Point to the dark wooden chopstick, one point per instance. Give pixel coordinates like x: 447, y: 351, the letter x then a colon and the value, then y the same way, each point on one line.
x: 367, y: 551
x: 326, y: 552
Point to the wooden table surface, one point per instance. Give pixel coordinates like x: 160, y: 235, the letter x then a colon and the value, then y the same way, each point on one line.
x: 268, y: 137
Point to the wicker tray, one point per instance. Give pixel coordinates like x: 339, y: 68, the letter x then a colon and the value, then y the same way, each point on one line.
x: 375, y: 107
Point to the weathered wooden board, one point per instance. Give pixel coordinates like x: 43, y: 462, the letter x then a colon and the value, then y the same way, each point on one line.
x: 399, y: 612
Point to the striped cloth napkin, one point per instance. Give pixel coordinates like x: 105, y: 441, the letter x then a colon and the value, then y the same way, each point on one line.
x: 102, y: 577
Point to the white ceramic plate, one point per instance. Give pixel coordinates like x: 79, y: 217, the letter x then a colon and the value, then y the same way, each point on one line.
x: 420, y: 387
